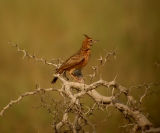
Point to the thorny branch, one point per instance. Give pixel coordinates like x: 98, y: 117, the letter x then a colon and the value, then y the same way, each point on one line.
x: 73, y: 92
x: 102, y: 60
x: 30, y: 56
x: 12, y: 102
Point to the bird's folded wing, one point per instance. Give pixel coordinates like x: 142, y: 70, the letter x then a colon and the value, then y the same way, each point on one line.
x: 72, y: 62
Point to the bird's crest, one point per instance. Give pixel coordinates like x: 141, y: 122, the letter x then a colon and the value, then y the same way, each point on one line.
x: 87, y: 36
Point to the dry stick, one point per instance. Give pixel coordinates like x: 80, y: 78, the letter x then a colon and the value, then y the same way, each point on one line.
x: 12, y: 102
x: 142, y: 122
x: 64, y: 120
x: 26, y: 54
x: 136, y: 115
x: 76, y: 123
x: 153, y: 130
x: 145, y: 93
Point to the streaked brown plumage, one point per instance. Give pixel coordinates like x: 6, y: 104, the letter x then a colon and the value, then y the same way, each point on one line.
x: 78, y: 60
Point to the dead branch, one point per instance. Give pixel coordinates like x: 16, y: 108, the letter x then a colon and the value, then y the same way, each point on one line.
x: 37, y: 59
x: 12, y: 102
x: 72, y: 92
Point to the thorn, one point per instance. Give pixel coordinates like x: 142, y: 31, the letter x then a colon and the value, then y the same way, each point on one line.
x: 94, y: 67
x: 25, y: 53
x: 101, y: 60
x: 114, y: 55
x: 37, y: 86
x: 115, y: 77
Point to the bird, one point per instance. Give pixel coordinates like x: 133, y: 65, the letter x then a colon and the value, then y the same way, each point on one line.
x: 76, y: 62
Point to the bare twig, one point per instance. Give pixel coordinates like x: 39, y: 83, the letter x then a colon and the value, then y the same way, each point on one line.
x: 30, y: 56
x: 73, y: 92
x: 12, y: 102
x: 145, y: 93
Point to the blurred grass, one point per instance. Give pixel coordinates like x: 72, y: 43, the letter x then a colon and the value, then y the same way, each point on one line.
x: 54, y: 29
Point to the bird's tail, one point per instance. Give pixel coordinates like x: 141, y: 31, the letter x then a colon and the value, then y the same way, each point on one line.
x: 58, y: 71
x: 54, y: 80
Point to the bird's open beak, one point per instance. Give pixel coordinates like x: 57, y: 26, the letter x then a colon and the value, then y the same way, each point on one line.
x: 95, y: 41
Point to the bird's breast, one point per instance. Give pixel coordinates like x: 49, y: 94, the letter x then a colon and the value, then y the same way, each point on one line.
x: 86, y: 59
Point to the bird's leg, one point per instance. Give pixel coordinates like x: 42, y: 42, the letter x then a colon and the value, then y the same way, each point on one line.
x: 76, y: 75
x: 71, y: 74
x: 64, y: 75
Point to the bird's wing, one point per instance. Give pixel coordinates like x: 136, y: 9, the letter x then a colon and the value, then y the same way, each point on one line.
x: 72, y: 61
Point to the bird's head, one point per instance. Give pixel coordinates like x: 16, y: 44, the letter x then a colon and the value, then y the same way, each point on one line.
x: 88, y: 42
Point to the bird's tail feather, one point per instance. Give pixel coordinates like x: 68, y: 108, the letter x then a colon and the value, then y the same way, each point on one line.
x: 54, y: 80
x: 58, y: 71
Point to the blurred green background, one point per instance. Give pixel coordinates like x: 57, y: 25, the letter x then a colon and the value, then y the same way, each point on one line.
x: 54, y: 29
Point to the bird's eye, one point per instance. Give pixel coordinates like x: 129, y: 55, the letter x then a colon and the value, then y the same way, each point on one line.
x: 90, y: 40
